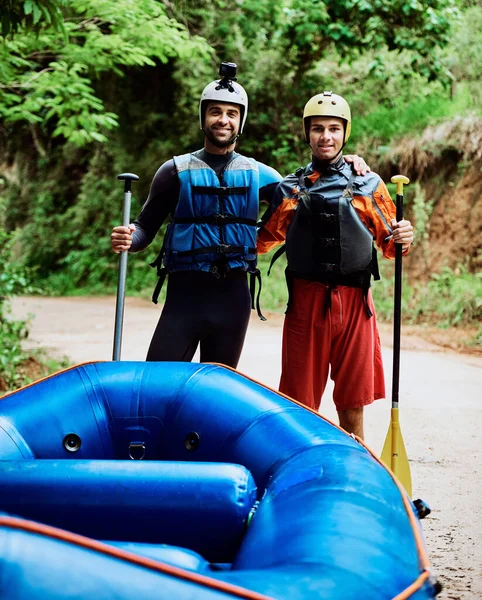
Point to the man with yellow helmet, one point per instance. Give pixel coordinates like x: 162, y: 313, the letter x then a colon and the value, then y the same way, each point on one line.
x: 330, y: 219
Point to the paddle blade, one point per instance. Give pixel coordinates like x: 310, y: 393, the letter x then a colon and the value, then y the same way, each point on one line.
x: 394, y: 454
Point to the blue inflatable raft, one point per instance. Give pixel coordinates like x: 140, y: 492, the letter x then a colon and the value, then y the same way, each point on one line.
x: 183, y: 481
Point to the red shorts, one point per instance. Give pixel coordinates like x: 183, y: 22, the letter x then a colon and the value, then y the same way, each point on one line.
x: 342, y: 337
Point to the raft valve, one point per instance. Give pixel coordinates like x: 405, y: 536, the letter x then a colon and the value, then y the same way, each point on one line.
x: 72, y: 442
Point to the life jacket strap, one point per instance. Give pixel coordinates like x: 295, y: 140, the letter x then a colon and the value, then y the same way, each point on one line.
x: 366, y: 288
x: 276, y: 255
x: 289, y: 284
x: 221, y: 249
x: 218, y: 219
x: 327, y: 306
x: 255, y: 276
x: 162, y: 273
x: 219, y: 190
x: 374, y: 265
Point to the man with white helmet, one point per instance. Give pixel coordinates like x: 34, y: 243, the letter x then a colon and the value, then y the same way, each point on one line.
x: 213, y: 196
x: 330, y: 219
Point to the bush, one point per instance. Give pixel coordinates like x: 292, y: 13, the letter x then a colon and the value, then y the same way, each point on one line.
x: 451, y: 298
x: 17, y: 367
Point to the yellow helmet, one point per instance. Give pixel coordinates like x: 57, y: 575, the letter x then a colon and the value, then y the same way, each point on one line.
x: 327, y: 104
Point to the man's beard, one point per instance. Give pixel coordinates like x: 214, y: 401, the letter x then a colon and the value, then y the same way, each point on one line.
x: 218, y: 143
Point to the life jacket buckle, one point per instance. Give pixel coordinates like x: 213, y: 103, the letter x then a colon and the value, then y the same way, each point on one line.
x: 329, y: 217
x: 327, y: 267
x: 222, y: 249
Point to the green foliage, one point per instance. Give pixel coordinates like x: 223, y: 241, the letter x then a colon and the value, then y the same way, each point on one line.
x: 422, y: 211
x: 383, y: 291
x: 18, y: 366
x: 31, y: 15
x: 13, y: 281
x: 354, y: 26
x: 62, y: 94
x: 280, y: 58
x: 451, y: 298
x: 464, y: 55
x: 47, y: 80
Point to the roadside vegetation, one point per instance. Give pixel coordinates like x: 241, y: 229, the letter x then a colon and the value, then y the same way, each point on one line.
x: 92, y: 88
x: 17, y: 365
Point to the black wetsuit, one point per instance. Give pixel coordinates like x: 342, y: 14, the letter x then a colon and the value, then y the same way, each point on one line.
x: 200, y: 308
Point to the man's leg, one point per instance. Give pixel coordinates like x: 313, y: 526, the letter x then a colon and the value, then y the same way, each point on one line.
x: 174, y: 339
x: 176, y: 336
x: 351, y: 420
x: 357, y: 368
x: 227, y: 313
x: 306, y: 344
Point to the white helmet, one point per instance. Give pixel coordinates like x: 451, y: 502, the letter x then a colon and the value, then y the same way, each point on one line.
x: 224, y: 90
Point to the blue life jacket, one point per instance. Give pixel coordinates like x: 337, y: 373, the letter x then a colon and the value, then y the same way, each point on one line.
x: 214, y: 223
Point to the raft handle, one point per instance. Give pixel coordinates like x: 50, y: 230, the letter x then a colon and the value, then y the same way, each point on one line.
x: 137, y: 450
x: 191, y: 441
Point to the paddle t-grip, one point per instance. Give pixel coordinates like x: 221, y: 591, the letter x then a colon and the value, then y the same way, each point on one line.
x: 127, y: 178
x: 400, y: 181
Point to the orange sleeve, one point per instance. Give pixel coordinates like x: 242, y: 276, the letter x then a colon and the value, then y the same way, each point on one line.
x: 273, y: 232
x: 377, y: 211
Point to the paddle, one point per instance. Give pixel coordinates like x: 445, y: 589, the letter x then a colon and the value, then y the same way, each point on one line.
x: 394, y: 454
x: 127, y: 178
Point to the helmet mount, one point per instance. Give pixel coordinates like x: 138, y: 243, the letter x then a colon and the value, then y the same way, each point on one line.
x: 227, y: 71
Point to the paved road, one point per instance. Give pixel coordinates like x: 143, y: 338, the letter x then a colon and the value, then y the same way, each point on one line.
x: 440, y: 413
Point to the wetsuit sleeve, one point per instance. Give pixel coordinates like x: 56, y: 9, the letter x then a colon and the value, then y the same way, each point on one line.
x: 377, y: 210
x: 269, y: 179
x: 274, y: 223
x: 162, y: 201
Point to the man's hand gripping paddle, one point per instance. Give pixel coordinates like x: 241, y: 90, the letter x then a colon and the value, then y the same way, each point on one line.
x: 127, y: 178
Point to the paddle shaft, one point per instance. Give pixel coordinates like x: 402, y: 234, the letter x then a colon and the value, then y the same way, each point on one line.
x: 394, y: 454
x: 397, y: 312
x: 121, y: 282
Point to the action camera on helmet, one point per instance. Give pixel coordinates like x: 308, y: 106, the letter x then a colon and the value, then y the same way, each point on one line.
x: 227, y: 70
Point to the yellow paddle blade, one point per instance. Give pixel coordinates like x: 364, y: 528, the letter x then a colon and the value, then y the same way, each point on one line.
x: 394, y: 454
